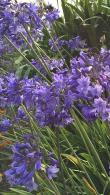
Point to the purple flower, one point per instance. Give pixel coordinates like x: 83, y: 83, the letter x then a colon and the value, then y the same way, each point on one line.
x: 56, y: 64
x: 52, y: 171
x: 29, y: 86
x: 53, y: 15
x: 39, y: 66
x: 106, y: 115
x: 14, y: 16
x: 83, y: 85
x: 88, y: 112
x: 51, y: 106
x: 100, y: 105
x: 21, y: 113
x: 56, y: 43
x: 5, y: 125
x: 4, y: 3
x: 28, y: 14
x: 96, y: 91
x: 20, y: 177
x: 76, y: 43
x: 13, y: 91
x: 26, y: 160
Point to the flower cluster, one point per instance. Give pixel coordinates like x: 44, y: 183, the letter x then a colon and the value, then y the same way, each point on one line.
x: 27, y: 159
x: 52, y: 15
x: 18, y: 18
x: 86, y: 84
x: 73, y: 44
x: 94, y: 83
x: 82, y: 81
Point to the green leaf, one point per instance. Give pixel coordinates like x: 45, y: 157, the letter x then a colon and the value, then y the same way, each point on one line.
x: 8, y: 193
x: 21, y: 70
x: 100, y: 5
x: 78, y: 12
x: 71, y: 158
x: 89, y: 188
x: 105, y: 7
x: 87, y: 158
x: 19, y: 60
x: 22, y: 192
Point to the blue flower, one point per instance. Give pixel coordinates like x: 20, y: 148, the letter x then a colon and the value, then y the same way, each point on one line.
x: 88, y: 112
x: 26, y: 160
x: 52, y: 171
x: 53, y: 15
x: 29, y: 86
x: 13, y: 90
x: 5, y: 125
x: 4, y: 3
x: 83, y: 85
x: 21, y: 115
x: 76, y: 43
x: 96, y: 91
x: 56, y: 44
x: 20, y: 177
x: 100, y: 105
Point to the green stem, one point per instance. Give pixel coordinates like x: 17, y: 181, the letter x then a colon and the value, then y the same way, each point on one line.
x: 79, y: 160
x: 60, y: 160
x: 41, y: 60
x: 55, y: 45
x: 40, y: 74
x: 89, y: 144
x: 34, y: 52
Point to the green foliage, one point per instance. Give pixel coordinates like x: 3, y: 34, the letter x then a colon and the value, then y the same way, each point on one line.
x: 84, y: 165
x: 89, y: 19
x: 17, y: 191
x: 84, y: 147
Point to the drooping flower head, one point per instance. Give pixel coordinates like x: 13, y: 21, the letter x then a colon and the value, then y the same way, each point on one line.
x: 5, y: 125
x: 26, y: 160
